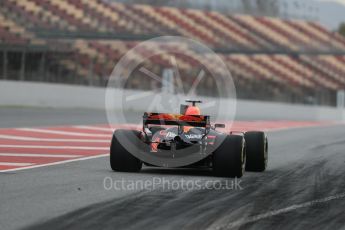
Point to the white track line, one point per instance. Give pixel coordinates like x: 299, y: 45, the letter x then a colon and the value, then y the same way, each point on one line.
x: 49, y: 131
x: 93, y: 128
x: 266, y: 215
x: 21, y: 138
x: 54, y: 163
x: 38, y: 155
x: 14, y: 164
x: 54, y: 147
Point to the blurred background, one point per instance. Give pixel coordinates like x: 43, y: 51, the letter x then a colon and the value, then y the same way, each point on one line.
x: 277, y: 50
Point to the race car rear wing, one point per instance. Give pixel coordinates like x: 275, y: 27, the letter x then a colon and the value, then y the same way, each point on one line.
x: 176, y: 119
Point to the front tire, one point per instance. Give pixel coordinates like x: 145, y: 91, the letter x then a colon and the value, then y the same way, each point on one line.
x: 229, y: 158
x: 257, y: 151
x: 120, y: 159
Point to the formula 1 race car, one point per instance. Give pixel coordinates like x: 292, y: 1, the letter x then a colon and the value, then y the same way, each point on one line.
x: 188, y: 140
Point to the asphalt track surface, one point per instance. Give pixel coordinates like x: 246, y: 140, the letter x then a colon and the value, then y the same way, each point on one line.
x: 304, y: 187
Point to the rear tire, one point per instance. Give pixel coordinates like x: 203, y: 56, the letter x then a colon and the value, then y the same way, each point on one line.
x: 229, y: 158
x: 120, y: 159
x: 257, y: 151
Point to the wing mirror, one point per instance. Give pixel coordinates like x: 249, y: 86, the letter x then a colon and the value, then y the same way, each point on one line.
x: 222, y: 126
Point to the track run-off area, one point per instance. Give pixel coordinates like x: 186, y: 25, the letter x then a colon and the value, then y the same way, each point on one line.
x: 24, y: 148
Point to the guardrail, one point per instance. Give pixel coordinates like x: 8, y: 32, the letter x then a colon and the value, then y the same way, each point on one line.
x: 18, y: 93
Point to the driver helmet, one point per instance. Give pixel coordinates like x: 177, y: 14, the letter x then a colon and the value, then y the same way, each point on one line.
x: 191, y: 110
